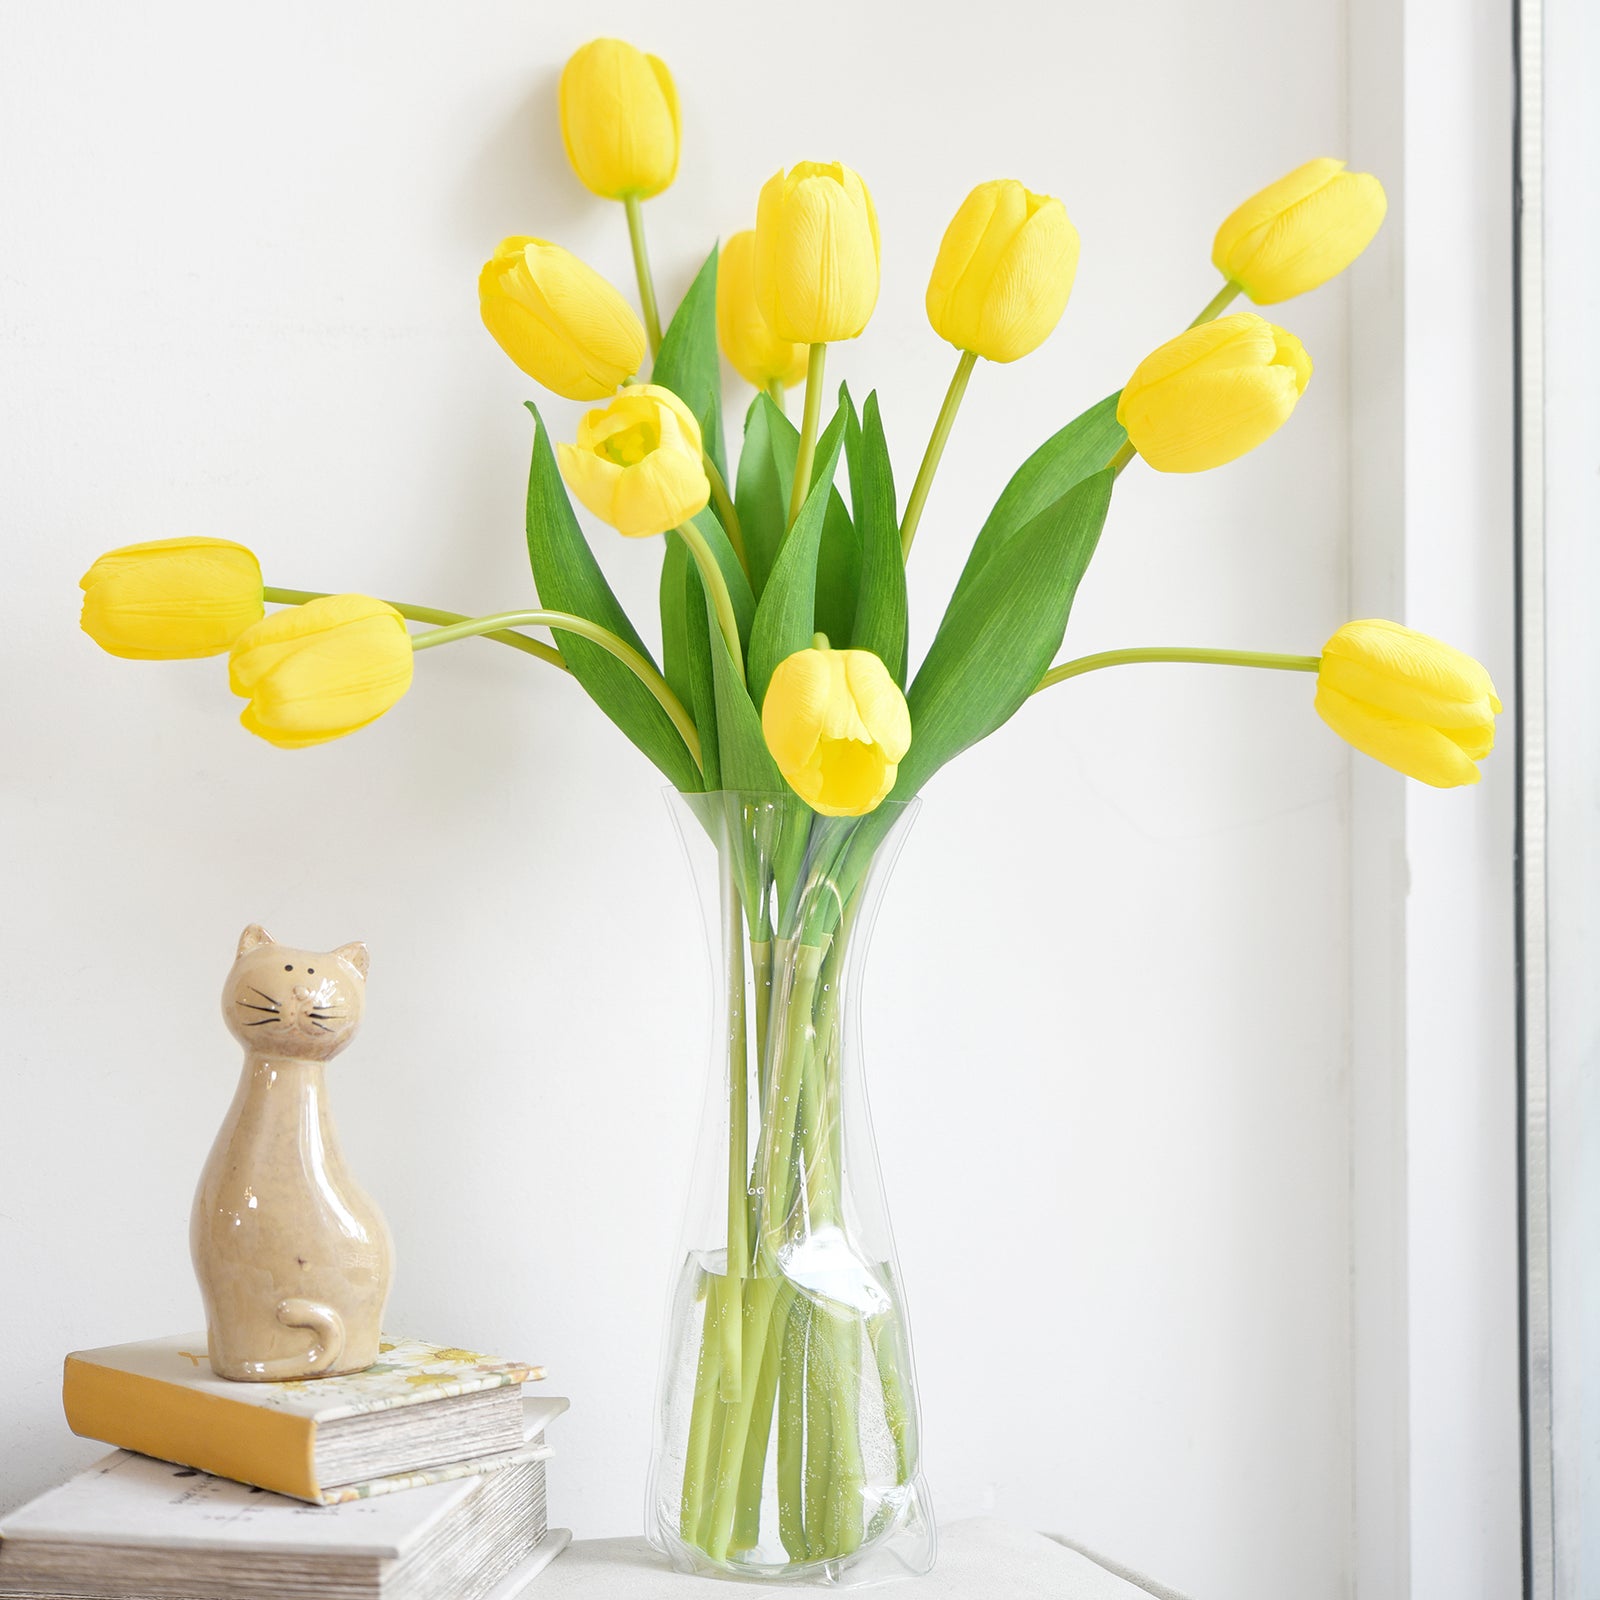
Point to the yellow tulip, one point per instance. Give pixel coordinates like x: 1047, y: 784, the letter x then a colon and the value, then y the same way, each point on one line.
x: 559, y: 320
x: 1213, y: 393
x: 1003, y: 272
x: 619, y: 120
x: 1409, y: 701
x: 637, y: 463
x: 838, y: 727
x: 321, y: 670
x: 816, y: 253
x: 171, y: 599
x: 753, y: 350
x: 1300, y: 231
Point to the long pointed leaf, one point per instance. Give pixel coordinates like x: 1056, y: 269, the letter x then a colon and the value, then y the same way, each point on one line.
x: 569, y: 578
x: 880, y: 622
x: 766, y: 469
x: 745, y: 762
x: 1066, y: 458
x: 1000, y: 636
x: 839, y: 553
x: 687, y: 362
x: 786, y: 613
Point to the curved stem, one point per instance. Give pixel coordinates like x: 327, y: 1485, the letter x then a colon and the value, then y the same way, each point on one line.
x: 936, y: 443
x: 726, y: 514
x: 1214, y: 658
x: 1218, y: 303
x: 717, y: 587
x: 808, y: 431
x: 641, y: 269
x: 517, y: 641
x: 565, y: 622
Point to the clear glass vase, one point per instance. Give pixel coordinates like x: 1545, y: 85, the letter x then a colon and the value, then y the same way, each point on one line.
x: 786, y: 1441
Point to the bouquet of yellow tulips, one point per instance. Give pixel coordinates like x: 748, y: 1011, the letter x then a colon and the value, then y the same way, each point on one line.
x: 783, y: 706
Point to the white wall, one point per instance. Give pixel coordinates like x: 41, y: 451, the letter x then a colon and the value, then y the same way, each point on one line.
x: 239, y: 263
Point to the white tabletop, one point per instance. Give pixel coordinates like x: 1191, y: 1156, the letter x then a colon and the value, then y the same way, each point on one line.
x: 980, y: 1559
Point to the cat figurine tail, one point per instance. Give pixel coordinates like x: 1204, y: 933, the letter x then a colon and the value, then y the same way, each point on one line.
x: 294, y: 1260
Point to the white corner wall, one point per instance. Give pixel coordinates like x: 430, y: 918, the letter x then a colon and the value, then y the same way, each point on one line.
x: 1115, y: 1104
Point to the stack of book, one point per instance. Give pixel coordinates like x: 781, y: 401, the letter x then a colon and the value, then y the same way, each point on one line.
x: 274, y: 1491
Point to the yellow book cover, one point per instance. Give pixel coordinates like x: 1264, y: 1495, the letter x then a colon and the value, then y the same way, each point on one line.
x: 161, y: 1398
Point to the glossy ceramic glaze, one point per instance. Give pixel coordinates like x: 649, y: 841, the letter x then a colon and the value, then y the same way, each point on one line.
x: 294, y: 1260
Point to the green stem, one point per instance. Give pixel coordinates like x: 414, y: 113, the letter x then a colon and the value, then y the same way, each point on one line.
x: 517, y: 641
x: 733, y: 1377
x: 1121, y: 458
x: 717, y: 588
x: 808, y: 431
x: 640, y: 666
x: 792, y: 1430
x: 641, y: 269
x: 775, y: 393
x: 936, y: 443
x: 1215, y: 658
x: 726, y: 514
x: 1218, y: 303
x: 698, y: 1453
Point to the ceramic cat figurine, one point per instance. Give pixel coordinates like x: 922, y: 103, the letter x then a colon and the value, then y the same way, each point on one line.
x: 293, y: 1259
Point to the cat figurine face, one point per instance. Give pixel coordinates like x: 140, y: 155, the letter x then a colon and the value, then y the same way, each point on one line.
x: 297, y: 1004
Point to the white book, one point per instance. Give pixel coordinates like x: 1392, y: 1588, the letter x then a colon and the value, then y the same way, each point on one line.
x: 130, y: 1526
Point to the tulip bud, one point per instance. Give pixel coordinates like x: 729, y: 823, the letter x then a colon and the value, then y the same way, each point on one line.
x: 637, y: 463
x: 559, y: 320
x: 753, y: 350
x: 816, y: 253
x: 171, y: 599
x: 1300, y: 231
x: 619, y: 120
x: 1004, y: 271
x: 1407, y: 700
x: 838, y: 727
x: 321, y: 670
x: 1213, y: 393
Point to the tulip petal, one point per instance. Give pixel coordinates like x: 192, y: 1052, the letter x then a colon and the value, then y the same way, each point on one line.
x: 794, y: 708
x: 171, y: 599
x: 1412, y: 748
x: 879, y: 702
x: 1409, y: 673
x: 1299, y: 232
x: 620, y: 120
x: 316, y: 672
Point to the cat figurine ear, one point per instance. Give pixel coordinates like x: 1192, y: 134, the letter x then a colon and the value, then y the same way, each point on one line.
x: 252, y: 936
x: 355, y: 953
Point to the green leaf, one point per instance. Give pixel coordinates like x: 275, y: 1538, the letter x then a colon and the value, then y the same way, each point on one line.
x: 1066, y: 458
x: 698, y: 668
x: 568, y: 578
x: 880, y: 621
x: 687, y: 362
x: 743, y: 758
x: 786, y: 613
x: 675, y: 622
x: 839, y: 554
x: 744, y: 602
x: 998, y: 638
x: 761, y: 496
